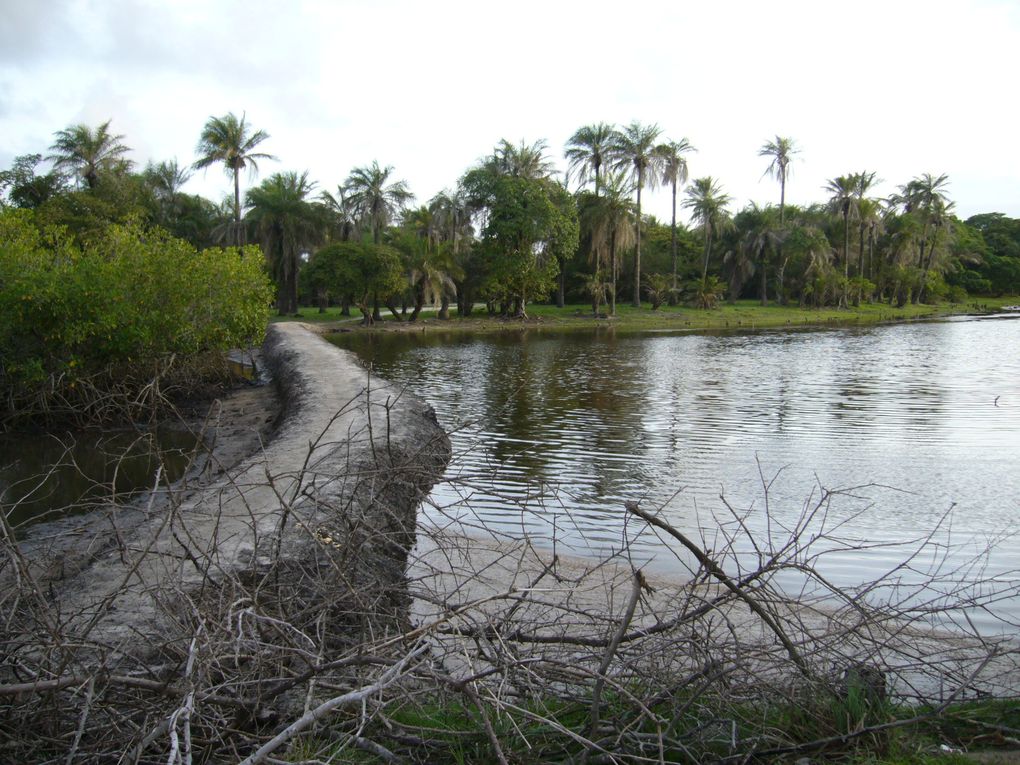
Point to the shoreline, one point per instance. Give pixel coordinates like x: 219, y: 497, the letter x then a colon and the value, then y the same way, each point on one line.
x: 741, y: 316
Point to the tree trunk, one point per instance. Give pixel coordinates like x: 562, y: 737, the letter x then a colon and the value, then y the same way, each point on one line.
x: 672, y: 248
x: 376, y: 314
x: 345, y: 306
x: 637, y: 249
x: 764, y: 281
x: 561, y: 289
x: 391, y: 304
x: 612, y: 258
x: 444, y: 308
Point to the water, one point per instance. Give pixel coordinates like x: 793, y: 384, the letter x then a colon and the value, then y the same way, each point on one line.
x: 918, y: 424
x: 48, y: 475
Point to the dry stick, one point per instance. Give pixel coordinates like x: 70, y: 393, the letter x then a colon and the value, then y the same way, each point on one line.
x: 713, y: 568
x: 387, y: 678
x: 472, y: 695
x: 81, y: 722
x: 607, y: 659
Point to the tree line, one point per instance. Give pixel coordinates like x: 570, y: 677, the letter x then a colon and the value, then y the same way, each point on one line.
x: 515, y: 230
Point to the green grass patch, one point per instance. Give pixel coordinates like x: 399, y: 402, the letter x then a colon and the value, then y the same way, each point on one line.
x: 740, y: 316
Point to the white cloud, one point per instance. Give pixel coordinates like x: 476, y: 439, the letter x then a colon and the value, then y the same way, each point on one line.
x: 900, y: 88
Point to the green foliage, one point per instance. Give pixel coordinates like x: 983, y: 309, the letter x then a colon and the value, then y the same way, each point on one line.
x: 657, y: 288
x: 363, y: 271
x: 117, y: 309
x: 531, y: 225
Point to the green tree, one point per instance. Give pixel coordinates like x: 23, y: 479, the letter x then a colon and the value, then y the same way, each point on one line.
x: 707, y: 203
x: 364, y: 271
x: 607, y: 223
x: 781, y: 150
x: 23, y: 187
x: 843, y: 202
x: 374, y: 198
x: 530, y: 224
x: 230, y: 141
x: 89, y: 153
x: 522, y: 161
x: 925, y: 199
x: 635, y: 149
x: 287, y: 225
x: 674, y: 174
x: 588, y: 151
x: 760, y: 235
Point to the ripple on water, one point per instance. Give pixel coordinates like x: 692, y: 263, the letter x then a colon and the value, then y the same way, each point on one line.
x: 553, y: 434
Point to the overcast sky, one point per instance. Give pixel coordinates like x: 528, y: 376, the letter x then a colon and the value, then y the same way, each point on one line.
x: 892, y: 86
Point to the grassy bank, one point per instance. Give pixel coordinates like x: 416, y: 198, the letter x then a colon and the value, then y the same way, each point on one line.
x: 745, y: 314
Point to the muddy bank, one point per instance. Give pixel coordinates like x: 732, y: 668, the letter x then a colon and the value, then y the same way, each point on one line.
x: 309, y: 535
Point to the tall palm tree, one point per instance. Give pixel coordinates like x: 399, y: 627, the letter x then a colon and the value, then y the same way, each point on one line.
x: 781, y: 151
x: 166, y: 180
x: 925, y: 198
x: 867, y: 211
x: 87, y: 153
x: 607, y: 221
x: 760, y: 233
x: 634, y: 149
x: 707, y: 203
x: 521, y: 161
x: 231, y: 141
x: 674, y: 173
x: 343, y: 222
x: 375, y: 198
x: 843, y: 202
x: 287, y: 225
x: 588, y: 151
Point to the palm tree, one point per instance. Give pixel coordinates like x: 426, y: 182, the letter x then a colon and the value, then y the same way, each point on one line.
x: 760, y: 233
x: 608, y: 223
x: 287, y: 225
x: 843, y: 202
x: 230, y: 140
x: 867, y: 211
x: 522, y: 161
x: 343, y: 223
x: 87, y: 153
x: 452, y: 218
x: 166, y: 180
x: 674, y: 173
x: 588, y: 151
x: 374, y: 198
x: 634, y: 149
x: 707, y: 204
x: 781, y: 150
x: 925, y: 199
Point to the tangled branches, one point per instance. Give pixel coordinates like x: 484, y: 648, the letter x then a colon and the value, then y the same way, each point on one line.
x: 293, y: 614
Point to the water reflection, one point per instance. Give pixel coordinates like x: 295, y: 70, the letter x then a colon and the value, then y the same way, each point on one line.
x: 554, y: 431
x: 47, y: 475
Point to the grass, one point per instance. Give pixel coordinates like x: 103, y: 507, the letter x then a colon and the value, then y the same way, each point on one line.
x: 450, y: 731
x: 742, y: 315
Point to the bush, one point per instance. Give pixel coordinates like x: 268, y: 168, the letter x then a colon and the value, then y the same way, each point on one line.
x: 116, y: 313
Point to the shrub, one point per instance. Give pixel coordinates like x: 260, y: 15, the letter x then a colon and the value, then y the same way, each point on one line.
x: 116, y: 313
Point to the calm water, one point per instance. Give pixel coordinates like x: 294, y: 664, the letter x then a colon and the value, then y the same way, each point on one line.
x: 48, y: 475
x: 553, y: 432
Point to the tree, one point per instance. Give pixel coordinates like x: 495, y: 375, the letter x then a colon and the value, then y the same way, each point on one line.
x: 530, y: 224
x: 166, y: 180
x: 24, y: 188
x: 287, y: 224
x: 230, y: 140
x: 843, y: 203
x: 607, y: 222
x: 760, y: 233
x: 452, y: 222
x: 87, y: 153
x: 674, y: 173
x: 781, y: 151
x: 588, y: 151
x: 707, y: 204
x: 365, y: 271
x: 522, y: 161
x: 635, y: 149
x: 373, y: 198
x: 924, y: 198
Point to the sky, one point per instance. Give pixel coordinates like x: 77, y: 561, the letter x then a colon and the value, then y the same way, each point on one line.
x: 897, y: 87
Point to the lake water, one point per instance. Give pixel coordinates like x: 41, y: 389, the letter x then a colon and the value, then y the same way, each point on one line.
x: 917, y: 424
x: 48, y: 475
